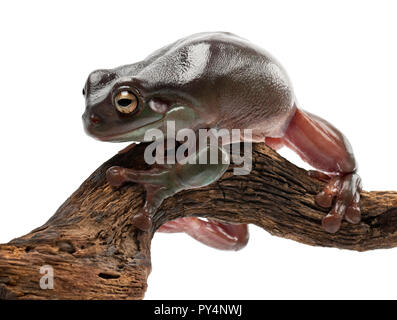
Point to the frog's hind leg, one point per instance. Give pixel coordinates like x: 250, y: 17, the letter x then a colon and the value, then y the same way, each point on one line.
x: 212, y: 233
x: 325, y: 148
x: 275, y: 143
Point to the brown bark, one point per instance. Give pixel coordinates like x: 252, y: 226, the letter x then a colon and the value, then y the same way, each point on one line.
x: 97, y: 254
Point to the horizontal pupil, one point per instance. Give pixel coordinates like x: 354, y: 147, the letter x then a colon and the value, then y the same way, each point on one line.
x: 124, y: 102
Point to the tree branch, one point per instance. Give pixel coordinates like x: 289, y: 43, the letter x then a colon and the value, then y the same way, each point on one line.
x: 97, y: 254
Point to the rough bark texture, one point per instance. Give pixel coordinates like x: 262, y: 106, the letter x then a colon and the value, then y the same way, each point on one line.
x: 97, y: 254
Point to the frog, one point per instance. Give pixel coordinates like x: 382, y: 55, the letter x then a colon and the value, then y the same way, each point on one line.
x: 216, y: 80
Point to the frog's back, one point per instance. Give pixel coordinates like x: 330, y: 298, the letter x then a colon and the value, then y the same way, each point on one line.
x: 228, y: 76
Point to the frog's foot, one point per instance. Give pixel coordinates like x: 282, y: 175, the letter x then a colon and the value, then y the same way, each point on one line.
x: 154, y: 181
x: 346, y: 192
x: 164, y: 181
x: 212, y: 233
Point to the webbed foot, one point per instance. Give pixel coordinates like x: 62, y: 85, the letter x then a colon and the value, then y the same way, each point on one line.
x: 154, y: 181
x: 163, y: 181
x: 346, y: 192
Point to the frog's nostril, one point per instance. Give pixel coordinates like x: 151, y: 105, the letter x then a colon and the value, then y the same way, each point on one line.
x: 94, y: 119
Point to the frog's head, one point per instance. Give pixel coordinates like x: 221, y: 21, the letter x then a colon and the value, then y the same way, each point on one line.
x: 120, y: 108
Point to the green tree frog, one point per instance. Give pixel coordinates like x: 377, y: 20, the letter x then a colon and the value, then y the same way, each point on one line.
x: 215, y: 80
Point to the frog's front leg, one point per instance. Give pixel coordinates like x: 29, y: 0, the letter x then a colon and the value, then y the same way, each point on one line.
x: 159, y: 184
x: 163, y: 182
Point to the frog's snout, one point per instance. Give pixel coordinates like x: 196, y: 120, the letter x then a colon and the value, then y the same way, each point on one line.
x: 91, y: 122
x: 94, y: 119
x: 91, y: 119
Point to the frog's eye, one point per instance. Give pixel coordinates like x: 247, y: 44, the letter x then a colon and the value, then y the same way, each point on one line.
x: 125, y: 102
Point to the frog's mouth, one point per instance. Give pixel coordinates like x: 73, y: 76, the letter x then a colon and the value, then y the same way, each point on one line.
x: 135, y: 131
x: 136, y: 134
x: 121, y: 128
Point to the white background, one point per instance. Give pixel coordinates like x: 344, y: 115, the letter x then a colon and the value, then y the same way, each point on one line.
x: 341, y: 57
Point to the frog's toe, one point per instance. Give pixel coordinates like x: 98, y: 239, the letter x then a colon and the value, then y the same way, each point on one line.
x: 353, y: 212
x: 343, y: 193
x: 326, y: 196
x: 116, y: 176
x: 142, y: 221
x: 332, y: 222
